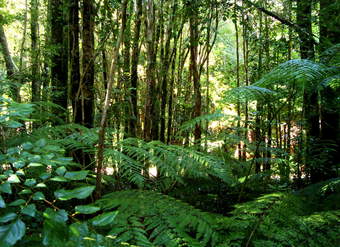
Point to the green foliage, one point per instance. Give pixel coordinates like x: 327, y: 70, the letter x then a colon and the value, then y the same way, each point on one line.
x: 248, y: 93
x: 132, y: 156
x: 146, y: 218
x: 282, y: 219
x: 29, y: 175
x: 11, y: 113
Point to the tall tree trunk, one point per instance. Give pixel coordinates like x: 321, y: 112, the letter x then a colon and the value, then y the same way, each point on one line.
x: 330, y: 137
x: 126, y: 20
x: 83, y: 85
x: 310, y: 97
x: 74, y: 59
x: 150, y: 128
x: 165, y: 70
x: 59, y: 59
x: 102, y: 129
x: 36, y: 92
x: 258, y: 138
x: 238, y: 107
x: 87, y: 82
x: 10, y: 65
x: 246, y: 78
x: 134, y: 68
x: 193, y: 22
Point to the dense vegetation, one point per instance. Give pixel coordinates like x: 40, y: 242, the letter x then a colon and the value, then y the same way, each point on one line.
x: 169, y: 123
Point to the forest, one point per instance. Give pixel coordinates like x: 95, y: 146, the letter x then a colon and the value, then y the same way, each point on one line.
x: 193, y: 123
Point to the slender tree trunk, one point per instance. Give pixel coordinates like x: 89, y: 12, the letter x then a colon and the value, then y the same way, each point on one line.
x: 36, y: 91
x: 269, y: 139
x: 74, y: 59
x: 10, y: 65
x: 150, y: 128
x: 193, y: 22
x: 134, y: 68
x: 126, y: 21
x: 87, y: 82
x: 310, y: 97
x: 246, y: 73
x: 58, y: 59
x: 258, y: 138
x: 102, y: 129
x: 165, y: 71
x: 329, y: 23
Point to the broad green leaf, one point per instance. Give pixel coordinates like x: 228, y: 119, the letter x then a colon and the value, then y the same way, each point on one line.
x: 17, y: 202
x: 19, y: 164
x: 10, y: 234
x: 30, y: 182
x: 27, y: 146
x: 104, y: 219
x: 79, y: 229
x: 29, y: 210
x: 59, y: 216
x: 59, y: 179
x: 45, y: 175
x: 79, y: 175
x: 61, y: 170
x: 8, y: 172
x: 6, y: 188
x: 41, y: 143
x: 40, y: 185
x: 86, y: 209
x: 20, y: 172
x: 25, y: 191
x: 55, y: 231
x: 14, y: 150
x: 8, y: 217
x: 13, y: 179
x: 38, y: 196
x: 2, y: 202
x: 34, y: 164
x: 53, y: 148
x: 79, y: 193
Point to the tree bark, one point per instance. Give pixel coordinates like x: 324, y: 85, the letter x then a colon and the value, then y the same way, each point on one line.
x: 310, y: 97
x: 193, y: 22
x: 36, y: 91
x: 134, y: 68
x: 10, y: 65
x: 150, y: 128
x: 59, y: 62
x: 74, y: 59
x: 87, y: 83
x: 330, y: 137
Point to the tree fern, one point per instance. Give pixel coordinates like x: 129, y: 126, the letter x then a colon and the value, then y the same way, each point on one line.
x: 304, y: 73
x: 248, y: 93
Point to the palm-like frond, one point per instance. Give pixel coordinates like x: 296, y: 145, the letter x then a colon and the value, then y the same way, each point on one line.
x: 248, y: 93
x: 302, y: 72
x: 146, y: 218
x: 218, y: 115
x: 133, y: 155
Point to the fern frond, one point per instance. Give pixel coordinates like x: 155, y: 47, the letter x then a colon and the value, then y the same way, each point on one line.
x: 218, y: 115
x: 248, y: 93
x: 301, y: 71
x: 132, y: 155
x: 146, y: 218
